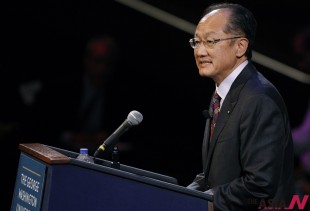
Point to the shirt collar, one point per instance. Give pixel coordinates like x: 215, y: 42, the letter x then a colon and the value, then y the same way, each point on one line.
x: 224, y: 87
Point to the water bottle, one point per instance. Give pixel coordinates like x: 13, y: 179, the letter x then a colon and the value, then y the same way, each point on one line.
x: 83, y: 156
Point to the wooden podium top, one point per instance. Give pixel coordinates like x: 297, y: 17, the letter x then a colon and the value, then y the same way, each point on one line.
x: 44, y: 153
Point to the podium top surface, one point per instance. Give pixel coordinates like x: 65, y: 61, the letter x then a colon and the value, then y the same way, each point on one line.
x: 44, y: 153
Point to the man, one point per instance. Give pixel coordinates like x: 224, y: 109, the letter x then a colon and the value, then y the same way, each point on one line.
x: 89, y: 123
x: 81, y: 107
x: 247, y: 147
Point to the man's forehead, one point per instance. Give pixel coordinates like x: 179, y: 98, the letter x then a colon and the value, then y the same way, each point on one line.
x: 212, y: 13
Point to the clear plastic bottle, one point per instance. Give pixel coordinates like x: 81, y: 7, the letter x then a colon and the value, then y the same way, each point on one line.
x: 83, y: 156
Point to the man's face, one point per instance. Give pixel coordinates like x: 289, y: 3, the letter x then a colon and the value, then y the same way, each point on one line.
x: 216, y: 60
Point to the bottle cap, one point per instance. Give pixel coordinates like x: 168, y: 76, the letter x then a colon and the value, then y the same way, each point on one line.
x: 83, y: 150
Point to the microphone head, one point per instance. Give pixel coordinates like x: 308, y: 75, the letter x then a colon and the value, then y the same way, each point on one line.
x: 135, y: 117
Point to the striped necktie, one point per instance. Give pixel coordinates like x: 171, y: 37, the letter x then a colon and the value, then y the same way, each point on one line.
x: 216, y: 110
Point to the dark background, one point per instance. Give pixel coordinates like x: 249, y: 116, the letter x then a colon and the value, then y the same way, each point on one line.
x: 157, y: 74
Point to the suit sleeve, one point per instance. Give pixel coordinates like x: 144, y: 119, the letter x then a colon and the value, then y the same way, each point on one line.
x: 262, y: 146
x: 198, y: 183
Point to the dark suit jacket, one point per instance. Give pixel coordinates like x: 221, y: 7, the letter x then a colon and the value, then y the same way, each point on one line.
x: 249, y: 160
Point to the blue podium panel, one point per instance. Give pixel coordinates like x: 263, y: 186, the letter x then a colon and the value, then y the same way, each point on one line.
x: 51, y: 179
x: 81, y: 187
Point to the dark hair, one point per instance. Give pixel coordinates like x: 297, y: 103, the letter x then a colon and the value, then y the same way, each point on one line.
x: 241, y: 22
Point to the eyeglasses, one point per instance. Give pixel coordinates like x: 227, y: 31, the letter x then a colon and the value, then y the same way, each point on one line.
x: 195, y: 42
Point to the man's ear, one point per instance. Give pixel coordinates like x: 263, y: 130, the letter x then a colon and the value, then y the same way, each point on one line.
x: 242, y: 46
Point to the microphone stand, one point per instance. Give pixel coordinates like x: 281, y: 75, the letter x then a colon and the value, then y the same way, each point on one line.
x: 115, y: 158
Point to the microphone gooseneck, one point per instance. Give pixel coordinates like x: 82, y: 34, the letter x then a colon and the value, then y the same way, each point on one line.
x: 133, y: 118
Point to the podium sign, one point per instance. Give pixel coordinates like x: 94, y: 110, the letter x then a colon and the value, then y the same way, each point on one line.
x: 29, y: 184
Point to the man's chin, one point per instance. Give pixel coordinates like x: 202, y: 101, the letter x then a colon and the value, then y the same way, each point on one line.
x: 205, y: 73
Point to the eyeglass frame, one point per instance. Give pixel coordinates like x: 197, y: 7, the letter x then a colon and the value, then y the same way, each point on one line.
x: 209, y: 43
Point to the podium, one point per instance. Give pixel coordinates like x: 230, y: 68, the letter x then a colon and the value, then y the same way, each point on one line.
x: 51, y: 179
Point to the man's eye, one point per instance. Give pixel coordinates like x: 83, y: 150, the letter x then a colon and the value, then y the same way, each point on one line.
x: 210, y: 41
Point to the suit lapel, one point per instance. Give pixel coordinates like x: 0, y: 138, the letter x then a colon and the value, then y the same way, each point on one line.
x: 226, y: 109
x: 206, y: 141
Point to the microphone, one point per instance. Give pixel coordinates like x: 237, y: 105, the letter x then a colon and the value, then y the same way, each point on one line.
x: 133, y: 118
x: 207, y: 114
